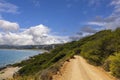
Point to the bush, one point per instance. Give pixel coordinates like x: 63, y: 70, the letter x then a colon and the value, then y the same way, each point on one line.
x: 91, y: 51
x: 106, y: 65
x: 115, y: 65
x: 58, y: 57
x: 95, y: 48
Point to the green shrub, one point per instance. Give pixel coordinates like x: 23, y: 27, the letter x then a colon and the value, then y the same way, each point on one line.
x: 115, y: 65
x: 95, y: 48
x: 58, y: 57
x: 106, y: 65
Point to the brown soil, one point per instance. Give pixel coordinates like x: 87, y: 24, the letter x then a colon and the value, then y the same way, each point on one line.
x: 79, y: 69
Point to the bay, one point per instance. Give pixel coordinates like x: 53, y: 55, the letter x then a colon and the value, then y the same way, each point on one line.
x: 11, y: 56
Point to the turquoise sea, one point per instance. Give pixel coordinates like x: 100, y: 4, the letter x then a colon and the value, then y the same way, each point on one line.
x: 8, y: 56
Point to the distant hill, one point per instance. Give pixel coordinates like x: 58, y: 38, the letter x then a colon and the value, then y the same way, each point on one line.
x: 45, y: 47
x: 100, y: 49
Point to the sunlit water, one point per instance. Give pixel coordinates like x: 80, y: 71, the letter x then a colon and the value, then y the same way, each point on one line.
x: 12, y: 56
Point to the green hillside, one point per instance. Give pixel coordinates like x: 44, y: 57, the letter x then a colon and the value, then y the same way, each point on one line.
x: 100, y: 49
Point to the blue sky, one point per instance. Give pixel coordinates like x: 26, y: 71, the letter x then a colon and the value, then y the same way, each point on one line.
x: 64, y: 18
x: 59, y: 15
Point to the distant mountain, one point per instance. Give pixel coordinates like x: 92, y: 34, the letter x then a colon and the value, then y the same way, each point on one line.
x: 45, y: 47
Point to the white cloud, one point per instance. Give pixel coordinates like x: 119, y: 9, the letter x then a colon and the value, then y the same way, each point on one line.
x: 88, y: 29
x: 36, y: 35
x: 113, y: 20
x: 8, y: 26
x: 96, y: 23
x: 8, y: 7
x: 42, y: 35
x: 37, y: 30
x: 16, y: 39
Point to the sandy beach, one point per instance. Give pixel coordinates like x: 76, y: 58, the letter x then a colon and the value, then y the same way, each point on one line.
x: 8, y: 72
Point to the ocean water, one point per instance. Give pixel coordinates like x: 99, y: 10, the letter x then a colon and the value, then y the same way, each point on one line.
x: 8, y: 56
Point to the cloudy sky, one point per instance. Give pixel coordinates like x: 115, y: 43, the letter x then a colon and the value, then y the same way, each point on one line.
x: 25, y: 22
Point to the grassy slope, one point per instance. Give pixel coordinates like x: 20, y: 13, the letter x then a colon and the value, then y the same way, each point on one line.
x: 101, y: 49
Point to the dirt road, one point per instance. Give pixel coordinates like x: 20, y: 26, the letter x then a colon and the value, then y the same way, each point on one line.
x: 79, y: 69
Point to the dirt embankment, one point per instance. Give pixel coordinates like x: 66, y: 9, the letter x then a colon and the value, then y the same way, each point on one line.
x: 79, y: 69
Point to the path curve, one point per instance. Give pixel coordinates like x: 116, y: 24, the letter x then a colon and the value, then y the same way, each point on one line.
x: 79, y: 69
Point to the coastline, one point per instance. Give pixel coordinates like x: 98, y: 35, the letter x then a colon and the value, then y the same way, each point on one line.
x: 8, y: 72
x: 40, y: 51
x: 25, y: 49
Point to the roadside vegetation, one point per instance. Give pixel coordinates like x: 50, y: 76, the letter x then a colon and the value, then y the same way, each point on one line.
x: 100, y: 49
